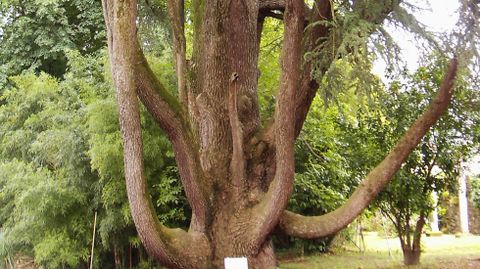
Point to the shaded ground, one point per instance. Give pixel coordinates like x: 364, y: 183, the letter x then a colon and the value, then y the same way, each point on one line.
x: 446, y: 252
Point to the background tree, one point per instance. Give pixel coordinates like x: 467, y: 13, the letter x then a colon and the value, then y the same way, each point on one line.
x: 36, y: 34
x: 60, y: 161
x: 37, y: 37
x: 433, y: 165
x: 45, y: 176
x: 236, y: 173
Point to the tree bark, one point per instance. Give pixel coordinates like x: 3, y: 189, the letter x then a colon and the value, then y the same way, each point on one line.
x: 236, y: 176
x: 411, y: 256
x: 270, y: 209
x: 162, y: 243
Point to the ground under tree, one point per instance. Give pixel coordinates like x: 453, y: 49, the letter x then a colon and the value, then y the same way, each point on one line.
x: 237, y: 173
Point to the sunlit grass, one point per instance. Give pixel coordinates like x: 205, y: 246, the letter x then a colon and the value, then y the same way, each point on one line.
x: 445, y: 251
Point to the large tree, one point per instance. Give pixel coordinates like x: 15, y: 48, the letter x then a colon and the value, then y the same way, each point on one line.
x: 237, y: 173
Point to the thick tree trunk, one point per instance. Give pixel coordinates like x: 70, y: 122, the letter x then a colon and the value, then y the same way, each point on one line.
x: 237, y: 176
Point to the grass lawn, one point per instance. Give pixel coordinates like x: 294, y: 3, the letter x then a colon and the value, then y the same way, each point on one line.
x: 445, y: 251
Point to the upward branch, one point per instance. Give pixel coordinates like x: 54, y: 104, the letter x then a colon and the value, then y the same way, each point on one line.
x: 168, y: 113
x: 177, y: 19
x: 314, y: 37
x: 277, y: 196
x: 167, y: 245
x: 330, y: 223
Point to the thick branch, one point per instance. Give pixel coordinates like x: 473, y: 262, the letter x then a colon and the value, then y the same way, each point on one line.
x: 177, y: 20
x: 166, y: 245
x: 168, y: 113
x: 269, y: 5
x: 330, y: 223
x: 322, y: 10
x: 278, y: 16
x: 314, y: 37
x: 308, y: 86
x: 277, y: 196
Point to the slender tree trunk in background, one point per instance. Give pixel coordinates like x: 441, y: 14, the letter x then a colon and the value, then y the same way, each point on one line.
x: 434, y: 224
x: 237, y: 176
x: 130, y: 256
x: 411, y: 243
x: 411, y: 256
x: 463, y: 203
x: 117, y: 258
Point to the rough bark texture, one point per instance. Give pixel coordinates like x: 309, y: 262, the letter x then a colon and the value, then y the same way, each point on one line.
x: 237, y: 176
x: 162, y: 243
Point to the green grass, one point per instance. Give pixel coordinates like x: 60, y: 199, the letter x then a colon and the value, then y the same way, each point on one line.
x: 445, y: 251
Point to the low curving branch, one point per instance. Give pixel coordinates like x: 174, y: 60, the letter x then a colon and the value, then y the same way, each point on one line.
x: 170, y: 246
x: 167, y: 112
x: 330, y: 223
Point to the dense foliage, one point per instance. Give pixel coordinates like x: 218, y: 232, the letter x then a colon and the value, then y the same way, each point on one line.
x: 35, y: 34
x: 433, y: 166
x: 61, y: 160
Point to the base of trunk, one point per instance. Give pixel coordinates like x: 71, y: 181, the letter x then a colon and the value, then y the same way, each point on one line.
x: 411, y: 257
x: 264, y: 259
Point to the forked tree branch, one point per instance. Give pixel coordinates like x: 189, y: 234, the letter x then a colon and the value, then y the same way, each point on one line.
x: 169, y: 117
x: 330, y: 223
x: 169, y: 114
x: 322, y: 11
x: 275, y: 200
x: 167, y: 245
